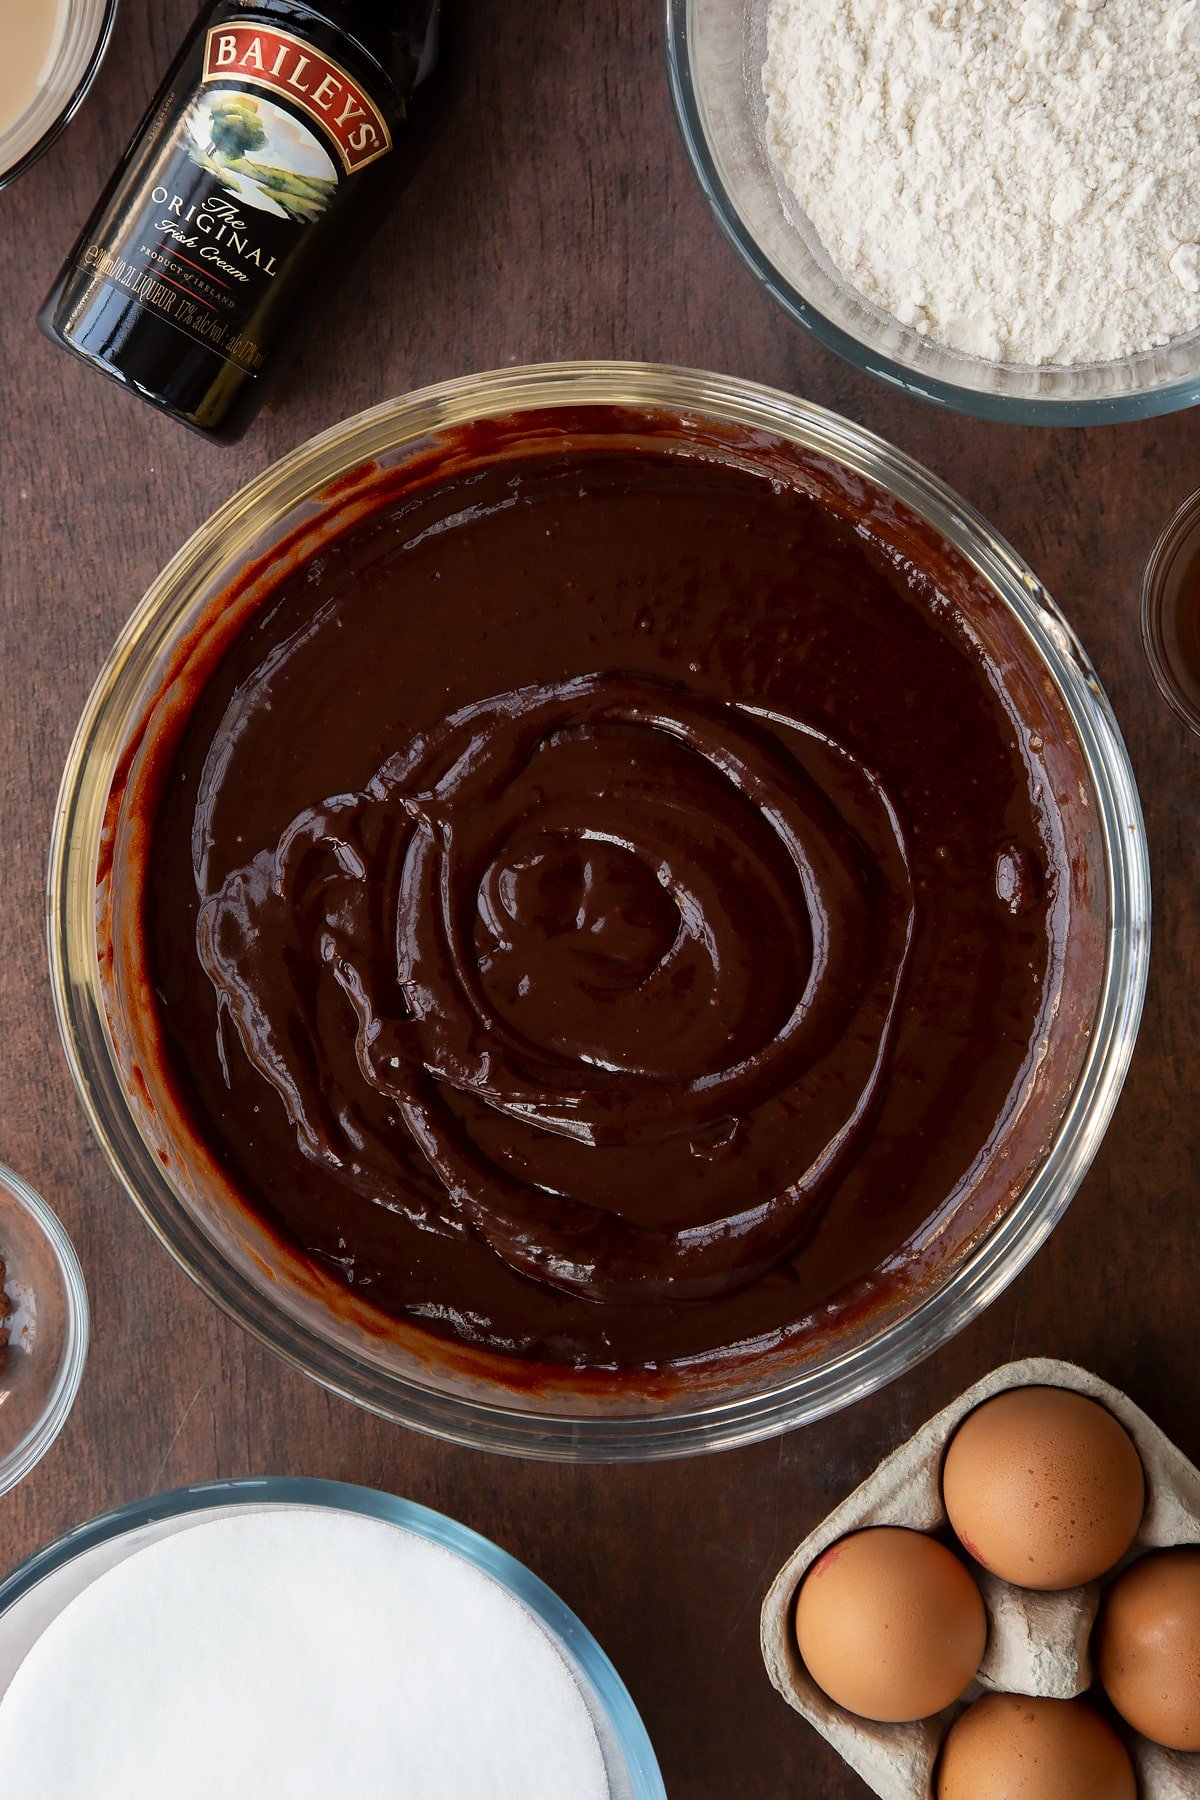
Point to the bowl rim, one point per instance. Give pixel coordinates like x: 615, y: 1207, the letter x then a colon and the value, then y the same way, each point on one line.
x: 997, y: 1256
x: 58, y: 124
x: 257, y: 1491
x: 1180, y: 530
x: 77, y: 1329
x: 977, y: 403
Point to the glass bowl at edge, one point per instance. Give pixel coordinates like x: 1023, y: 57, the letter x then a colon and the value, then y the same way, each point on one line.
x: 1164, y: 592
x: 44, y: 1362
x: 715, y: 50
x: 288, y: 491
x: 629, y: 1755
x: 76, y: 64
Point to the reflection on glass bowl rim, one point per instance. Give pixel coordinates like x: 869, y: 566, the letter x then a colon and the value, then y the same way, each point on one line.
x: 949, y: 1266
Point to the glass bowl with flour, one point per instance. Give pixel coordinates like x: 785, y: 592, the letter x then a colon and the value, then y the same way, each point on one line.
x: 995, y: 207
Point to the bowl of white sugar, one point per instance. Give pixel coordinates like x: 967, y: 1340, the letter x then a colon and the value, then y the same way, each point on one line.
x: 287, y: 1639
x: 995, y: 206
x: 52, y: 51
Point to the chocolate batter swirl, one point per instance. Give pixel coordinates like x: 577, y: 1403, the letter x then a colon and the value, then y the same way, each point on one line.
x: 587, y: 945
x: 604, y: 905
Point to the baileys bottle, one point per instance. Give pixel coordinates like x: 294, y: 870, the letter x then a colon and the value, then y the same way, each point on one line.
x: 278, y: 129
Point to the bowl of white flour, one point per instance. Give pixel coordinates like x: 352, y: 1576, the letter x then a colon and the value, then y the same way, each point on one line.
x: 996, y: 206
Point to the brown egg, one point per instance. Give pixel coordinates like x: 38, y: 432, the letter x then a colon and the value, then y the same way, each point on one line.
x: 890, y: 1624
x: 1008, y: 1747
x: 1043, y: 1487
x: 1148, y: 1652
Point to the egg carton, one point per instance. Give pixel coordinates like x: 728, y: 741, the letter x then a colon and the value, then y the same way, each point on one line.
x: 1038, y: 1643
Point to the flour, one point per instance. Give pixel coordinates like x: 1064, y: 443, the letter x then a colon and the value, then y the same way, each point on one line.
x: 1017, y: 179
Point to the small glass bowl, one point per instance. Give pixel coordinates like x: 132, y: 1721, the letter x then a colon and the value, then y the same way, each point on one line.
x: 405, y: 1376
x: 715, y: 53
x: 1171, y: 573
x: 33, y: 1595
x: 77, y: 59
x: 48, y: 1329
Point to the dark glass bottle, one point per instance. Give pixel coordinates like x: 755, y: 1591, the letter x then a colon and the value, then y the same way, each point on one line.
x: 261, y: 166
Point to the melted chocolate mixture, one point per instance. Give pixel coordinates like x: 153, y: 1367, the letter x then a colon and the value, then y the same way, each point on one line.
x: 600, y: 908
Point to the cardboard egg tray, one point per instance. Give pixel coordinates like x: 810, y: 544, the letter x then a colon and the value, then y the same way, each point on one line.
x: 1038, y: 1643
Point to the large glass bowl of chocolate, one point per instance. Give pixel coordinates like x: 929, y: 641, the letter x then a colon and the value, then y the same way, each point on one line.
x: 599, y: 911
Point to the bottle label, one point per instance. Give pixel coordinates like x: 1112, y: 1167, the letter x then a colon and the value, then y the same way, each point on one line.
x: 257, y: 56
x: 233, y: 176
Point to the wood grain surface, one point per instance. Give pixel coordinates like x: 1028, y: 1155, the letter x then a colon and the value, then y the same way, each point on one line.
x: 556, y: 216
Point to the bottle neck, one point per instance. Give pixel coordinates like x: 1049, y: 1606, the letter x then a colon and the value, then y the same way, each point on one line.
x: 399, y: 35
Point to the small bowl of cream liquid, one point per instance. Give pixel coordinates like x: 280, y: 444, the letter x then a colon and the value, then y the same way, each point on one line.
x: 51, y: 52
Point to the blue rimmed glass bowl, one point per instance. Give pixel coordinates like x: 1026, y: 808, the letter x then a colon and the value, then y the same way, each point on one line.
x: 40, y: 1588
x: 715, y: 54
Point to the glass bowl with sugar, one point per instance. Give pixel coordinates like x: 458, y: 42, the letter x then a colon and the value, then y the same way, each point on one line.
x: 296, y: 1637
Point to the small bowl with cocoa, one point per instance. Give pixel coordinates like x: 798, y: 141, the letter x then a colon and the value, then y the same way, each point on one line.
x: 1171, y: 612
x: 43, y: 1328
x: 500, y: 894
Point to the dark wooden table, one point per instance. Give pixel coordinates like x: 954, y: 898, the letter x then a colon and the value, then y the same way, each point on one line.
x: 556, y: 217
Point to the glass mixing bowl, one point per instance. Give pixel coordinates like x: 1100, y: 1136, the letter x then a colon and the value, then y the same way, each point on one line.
x: 715, y: 54
x: 84, y: 31
x: 33, y: 1595
x: 423, y: 1383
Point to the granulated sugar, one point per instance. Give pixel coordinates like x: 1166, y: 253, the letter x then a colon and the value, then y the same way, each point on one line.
x: 296, y: 1654
x: 1018, y: 179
